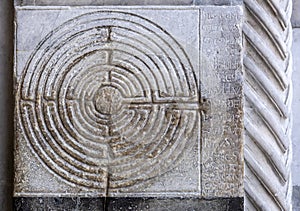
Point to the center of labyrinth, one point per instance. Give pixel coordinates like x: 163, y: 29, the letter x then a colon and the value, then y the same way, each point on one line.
x: 108, y: 100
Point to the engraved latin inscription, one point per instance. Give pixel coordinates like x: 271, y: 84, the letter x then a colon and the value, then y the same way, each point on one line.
x: 221, y: 90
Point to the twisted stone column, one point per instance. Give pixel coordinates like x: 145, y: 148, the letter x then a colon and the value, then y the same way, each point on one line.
x: 268, y: 95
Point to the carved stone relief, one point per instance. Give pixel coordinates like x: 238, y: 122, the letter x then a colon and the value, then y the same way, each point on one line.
x: 268, y: 96
x: 116, y: 101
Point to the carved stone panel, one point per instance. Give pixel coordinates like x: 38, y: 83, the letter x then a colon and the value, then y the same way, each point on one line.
x: 119, y: 101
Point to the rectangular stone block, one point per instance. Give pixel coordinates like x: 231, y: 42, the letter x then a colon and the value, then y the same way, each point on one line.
x: 128, y: 101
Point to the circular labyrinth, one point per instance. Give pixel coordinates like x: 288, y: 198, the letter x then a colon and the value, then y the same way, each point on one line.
x: 108, y: 95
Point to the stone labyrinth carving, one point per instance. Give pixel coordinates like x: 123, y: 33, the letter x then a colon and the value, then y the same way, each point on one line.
x: 109, y: 99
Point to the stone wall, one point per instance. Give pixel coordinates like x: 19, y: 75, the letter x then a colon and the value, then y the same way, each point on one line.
x: 6, y: 102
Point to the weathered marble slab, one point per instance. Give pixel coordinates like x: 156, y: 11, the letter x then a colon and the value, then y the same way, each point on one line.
x: 119, y: 101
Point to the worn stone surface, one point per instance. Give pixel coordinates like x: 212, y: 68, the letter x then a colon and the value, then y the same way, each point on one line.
x: 296, y: 14
x: 221, y: 92
x: 135, y: 204
x: 124, y: 2
x: 296, y: 197
x: 119, y: 102
x: 218, y: 2
x: 101, y: 2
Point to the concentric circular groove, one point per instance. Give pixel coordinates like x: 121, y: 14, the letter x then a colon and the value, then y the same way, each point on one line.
x: 103, y: 96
